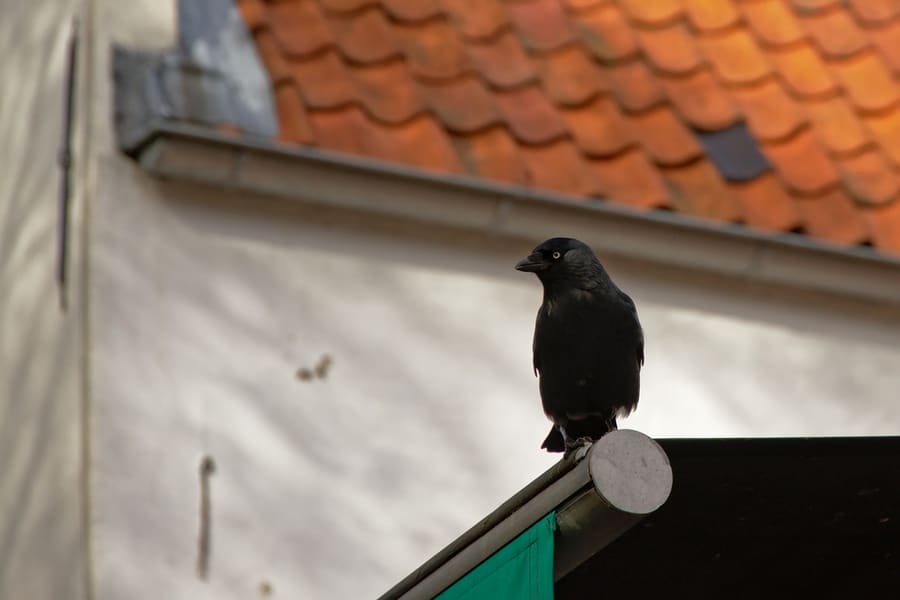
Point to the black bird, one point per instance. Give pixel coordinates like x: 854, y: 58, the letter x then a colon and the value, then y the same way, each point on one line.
x: 588, y: 344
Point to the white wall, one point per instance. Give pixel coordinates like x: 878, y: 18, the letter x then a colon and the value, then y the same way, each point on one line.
x: 41, y: 540
x: 427, y: 420
x: 429, y: 417
x: 730, y: 359
x: 204, y: 305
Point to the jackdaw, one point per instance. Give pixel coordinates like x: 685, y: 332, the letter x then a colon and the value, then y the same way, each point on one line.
x: 588, y: 344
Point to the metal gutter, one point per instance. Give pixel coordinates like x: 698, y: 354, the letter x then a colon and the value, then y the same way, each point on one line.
x: 303, y: 174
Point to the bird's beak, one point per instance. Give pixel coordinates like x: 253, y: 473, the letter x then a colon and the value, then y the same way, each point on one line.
x: 531, y: 263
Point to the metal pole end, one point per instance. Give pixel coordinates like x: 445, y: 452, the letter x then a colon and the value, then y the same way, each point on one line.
x: 630, y: 471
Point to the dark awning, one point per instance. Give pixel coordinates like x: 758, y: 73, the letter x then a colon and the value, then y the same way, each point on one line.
x: 757, y: 517
x: 763, y: 518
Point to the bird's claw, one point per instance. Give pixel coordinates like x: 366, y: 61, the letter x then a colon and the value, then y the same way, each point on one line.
x: 579, y: 446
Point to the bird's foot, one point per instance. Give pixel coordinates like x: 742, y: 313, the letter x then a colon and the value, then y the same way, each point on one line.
x: 579, y: 446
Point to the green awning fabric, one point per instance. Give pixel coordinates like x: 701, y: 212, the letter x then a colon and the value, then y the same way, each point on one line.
x: 521, y: 570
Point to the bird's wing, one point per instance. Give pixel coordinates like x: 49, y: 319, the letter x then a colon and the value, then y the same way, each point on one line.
x: 640, y: 332
x: 640, y: 348
x: 535, y: 352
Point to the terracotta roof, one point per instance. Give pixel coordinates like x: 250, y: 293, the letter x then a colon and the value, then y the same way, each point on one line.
x: 778, y: 114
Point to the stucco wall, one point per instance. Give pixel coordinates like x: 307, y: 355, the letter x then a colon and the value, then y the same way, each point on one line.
x: 428, y: 417
x: 41, y: 541
x: 204, y: 305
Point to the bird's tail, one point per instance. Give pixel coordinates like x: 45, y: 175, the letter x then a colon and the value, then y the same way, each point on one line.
x: 554, y: 441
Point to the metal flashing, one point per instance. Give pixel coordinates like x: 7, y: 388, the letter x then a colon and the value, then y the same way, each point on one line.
x: 212, y: 78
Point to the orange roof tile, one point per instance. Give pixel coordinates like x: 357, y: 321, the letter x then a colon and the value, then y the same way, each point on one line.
x: 599, y: 128
x: 886, y: 129
x: 412, y: 10
x: 324, y: 81
x: 709, y: 15
x: 345, y: 6
x: 812, y: 6
x: 875, y: 12
x: 770, y: 112
x: 671, y: 49
x: 701, y: 101
x: 698, y: 189
x: 837, y: 125
x: 887, y: 42
x: 493, y: 154
x: 502, y: 61
x: 630, y: 178
x: 868, y: 83
x: 293, y: 123
x: 372, y: 83
x: 530, y: 115
x: 559, y: 167
x: 868, y: 178
x: 365, y: 37
x: 570, y: 76
x: 434, y: 49
x: 541, y: 24
x: 772, y: 21
x: 651, y: 13
x: 802, y: 164
x: 765, y: 204
x: 345, y: 130
x: 463, y: 105
x: 476, y: 19
x: 664, y: 137
x: 271, y: 56
x: 577, y: 5
x: 634, y: 85
x: 254, y: 13
x: 299, y: 29
x: 643, y: 103
x: 735, y: 57
x: 804, y: 72
x: 836, y: 33
x: 833, y: 217
x: 884, y: 224
x: 420, y: 143
x: 605, y: 32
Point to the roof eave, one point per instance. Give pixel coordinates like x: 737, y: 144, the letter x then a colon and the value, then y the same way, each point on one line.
x: 178, y: 151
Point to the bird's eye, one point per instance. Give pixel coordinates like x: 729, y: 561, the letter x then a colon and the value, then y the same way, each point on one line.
x: 556, y: 255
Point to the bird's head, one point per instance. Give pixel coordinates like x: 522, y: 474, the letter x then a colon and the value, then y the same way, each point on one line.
x: 562, y: 259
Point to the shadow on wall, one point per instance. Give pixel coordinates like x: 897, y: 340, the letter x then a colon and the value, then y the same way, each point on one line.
x: 797, y: 310
x: 209, y: 311
x: 40, y: 455
x: 766, y: 342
